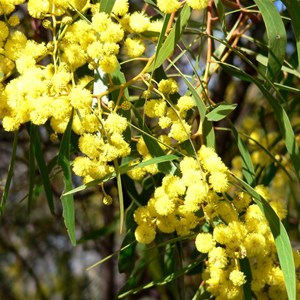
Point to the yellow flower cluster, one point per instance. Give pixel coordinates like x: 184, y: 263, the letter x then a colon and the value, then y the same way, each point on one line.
x: 239, y: 228
x: 175, y: 203
x: 170, y: 117
x: 47, y: 86
x: 243, y: 233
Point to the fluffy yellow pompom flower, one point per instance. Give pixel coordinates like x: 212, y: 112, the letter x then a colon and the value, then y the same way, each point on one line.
x: 38, y: 9
x: 142, y: 215
x: 168, y: 86
x: 145, y: 234
x: 139, y: 22
x: 164, y: 205
x: 197, y: 4
x: 180, y: 131
x: 120, y: 7
x: 80, y: 98
x: 90, y: 145
x: 108, y: 63
x: 155, y: 108
x: 115, y: 123
x: 185, y: 103
x: 204, y: 242
x: 237, y: 277
x: 15, y: 44
x: 217, y: 258
x: 168, y: 6
x: 4, y: 31
x: 255, y: 244
x: 13, y: 20
x: 219, y: 181
x: 100, y: 21
x: 134, y: 47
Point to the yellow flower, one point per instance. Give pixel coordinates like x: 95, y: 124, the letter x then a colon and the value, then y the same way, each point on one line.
x: 164, y: 205
x: 4, y: 31
x: 219, y: 181
x: 80, y: 98
x: 217, y: 258
x: 115, y: 123
x: 185, y: 103
x: 237, y: 277
x: 108, y: 63
x: 139, y: 22
x: 120, y: 7
x: 100, y: 21
x: 197, y: 4
x: 134, y: 47
x: 155, y: 108
x: 180, y: 131
x: 38, y: 9
x: 255, y: 244
x: 166, y: 224
x: 168, y: 6
x: 168, y: 86
x: 91, y: 145
x: 13, y: 21
x: 142, y: 215
x: 205, y: 242
x: 145, y: 234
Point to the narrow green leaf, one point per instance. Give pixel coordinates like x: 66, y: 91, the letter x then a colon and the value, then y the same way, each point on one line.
x: 160, y: 41
x: 169, y: 278
x: 245, y: 268
x: 207, y: 128
x: 10, y: 172
x: 120, y: 194
x: 282, y: 118
x: 293, y: 7
x: 67, y: 199
x: 264, y: 61
x: 283, y: 244
x: 44, y: 171
x: 276, y: 37
x: 220, y: 112
x: 247, y: 165
x: 154, y: 147
x: 126, y: 259
x: 156, y: 160
x: 107, y: 6
x: 221, y: 13
x: 31, y: 164
x: 170, y: 42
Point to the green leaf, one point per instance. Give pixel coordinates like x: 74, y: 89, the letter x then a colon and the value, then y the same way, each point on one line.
x: 283, y: 244
x: 207, y: 128
x: 293, y: 7
x: 276, y: 37
x: 167, y: 279
x: 107, y: 6
x: 282, y: 118
x: 154, y: 147
x: 170, y: 42
x: 247, y: 165
x: 31, y: 164
x: 10, y: 172
x: 245, y: 268
x: 220, y: 112
x: 221, y: 13
x: 67, y: 199
x: 156, y: 160
x: 44, y: 171
x: 126, y: 259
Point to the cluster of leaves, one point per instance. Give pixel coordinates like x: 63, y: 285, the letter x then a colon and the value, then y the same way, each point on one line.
x: 196, y: 51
